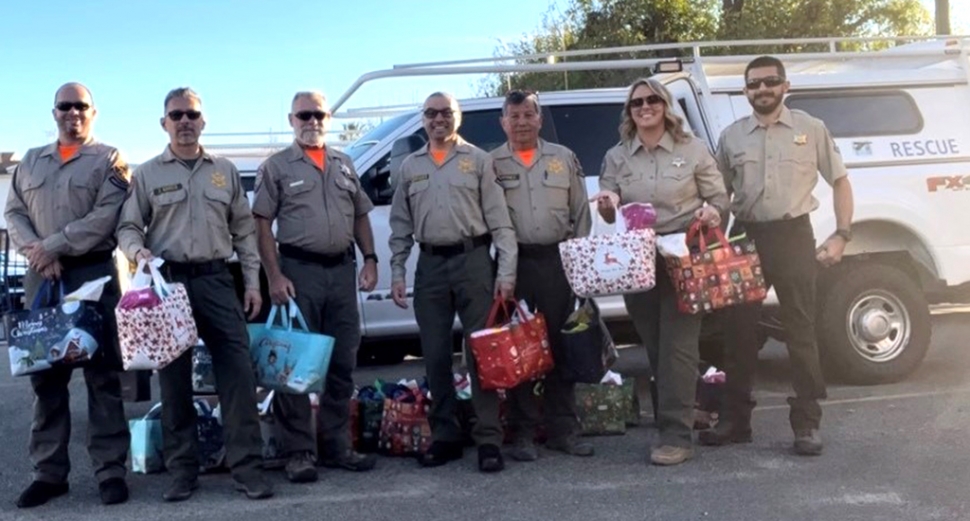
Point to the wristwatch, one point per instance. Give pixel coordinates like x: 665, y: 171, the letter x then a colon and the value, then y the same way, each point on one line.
x: 845, y: 233
x: 371, y: 256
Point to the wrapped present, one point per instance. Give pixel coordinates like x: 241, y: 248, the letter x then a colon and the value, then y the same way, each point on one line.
x: 710, y: 388
x: 155, y: 321
x: 56, y: 330
x: 509, y: 354
x: 203, y: 378
x: 405, y: 430
x: 711, y: 278
x: 211, y: 440
x: 638, y: 216
x: 586, y: 350
x: 289, y: 360
x: 607, y: 407
x: 146, y: 442
x: 610, y: 263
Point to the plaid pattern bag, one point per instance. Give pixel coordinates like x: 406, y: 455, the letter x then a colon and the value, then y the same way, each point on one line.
x: 715, y: 278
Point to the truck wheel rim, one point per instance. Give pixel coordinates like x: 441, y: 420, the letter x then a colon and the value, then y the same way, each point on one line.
x: 878, y: 326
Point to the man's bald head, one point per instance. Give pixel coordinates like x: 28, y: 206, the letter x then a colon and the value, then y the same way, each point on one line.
x: 74, y: 113
x: 74, y: 87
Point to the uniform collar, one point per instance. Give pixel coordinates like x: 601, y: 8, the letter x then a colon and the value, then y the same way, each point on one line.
x: 461, y: 147
x: 784, y: 118
x: 666, y: 142
x: 543, y: 147
x: 83, y: 148
x: 168, y: 156
x: 297, y: 152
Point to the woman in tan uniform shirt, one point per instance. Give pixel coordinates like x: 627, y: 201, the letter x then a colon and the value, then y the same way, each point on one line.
x: 658, y: 162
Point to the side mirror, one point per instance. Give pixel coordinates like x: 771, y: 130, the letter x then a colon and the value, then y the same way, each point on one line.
x: 401, y: 149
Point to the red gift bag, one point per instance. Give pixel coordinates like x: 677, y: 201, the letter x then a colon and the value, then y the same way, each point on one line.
x: 405, y: 429
x: 715, y: 278
x: 507, y: 355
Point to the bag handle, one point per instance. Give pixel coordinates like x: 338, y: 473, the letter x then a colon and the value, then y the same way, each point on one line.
x: 294, y: 312
x: 599, y: 224
x: 46, y: 290
x: 699, y: 230
x: 494, y: 311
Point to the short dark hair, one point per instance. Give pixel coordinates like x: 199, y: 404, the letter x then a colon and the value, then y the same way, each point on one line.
x: 519, y: 96
x: 181, y: 92
x: 765, y: 61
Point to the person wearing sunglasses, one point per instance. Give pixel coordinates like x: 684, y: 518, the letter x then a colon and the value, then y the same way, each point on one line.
x: 771, y: 161
x: 189, y: 208
x: 313, y: 193
x: 547, y: 200
x: 448, y: 201
x: 61, y: 213
x: 657, y: 161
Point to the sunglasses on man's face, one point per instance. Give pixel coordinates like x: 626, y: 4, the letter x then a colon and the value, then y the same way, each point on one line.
x: 768, y: 81
x: 433, y: 113
x: 653, y: 99
x: 176, y: 115
x: 66, y: 106
x: 305, y: 115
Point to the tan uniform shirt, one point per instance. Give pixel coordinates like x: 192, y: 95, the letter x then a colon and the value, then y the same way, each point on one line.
x: 547, y: 199
x: 676, y: 178
x: 442, y: 205
x: 773, y: 170
x: 195, y: 215
x: 72, y: 207
x: 315, y: 210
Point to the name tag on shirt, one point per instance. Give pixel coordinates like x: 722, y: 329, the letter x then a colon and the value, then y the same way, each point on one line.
x: 297, y: 183
x: 508, y: 177
x: 168, y: 188
x: 419, y: 178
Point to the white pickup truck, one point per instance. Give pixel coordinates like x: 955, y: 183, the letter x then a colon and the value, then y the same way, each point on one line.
x: 899, y: 117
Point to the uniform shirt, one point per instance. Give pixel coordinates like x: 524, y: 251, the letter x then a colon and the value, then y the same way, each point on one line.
x: 445, y: 204
x: 315, y: 210
x: 773, y: 170
x: 547, y: 200
x: 71, y: 206
x: 195, y: 215
x: 676, y: 178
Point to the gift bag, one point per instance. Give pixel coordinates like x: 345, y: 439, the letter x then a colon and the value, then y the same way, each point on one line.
x: 714, y: 278
x: 155, y: 321
x: 146, y: 442
x: 289, y: 360
x: 353, y: 421
x: 515, y: 352
x: 638, y: 216
x: 602, y: 408
x: 610, y: 263
x: 211, y: 440
x: 57, y: 329
x: 587, y: 349
x: 274, y: 454
x: 203, y: 378
x: 631, y: 401
x: 371, y: 411
x: 710, y: 389
x: 405, y: 430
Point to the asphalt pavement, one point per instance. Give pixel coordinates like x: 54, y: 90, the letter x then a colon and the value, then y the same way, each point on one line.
x: 892, y: 452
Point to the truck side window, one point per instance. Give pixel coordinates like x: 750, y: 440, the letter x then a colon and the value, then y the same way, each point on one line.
x: 589, y: 131
x: 861, y: 113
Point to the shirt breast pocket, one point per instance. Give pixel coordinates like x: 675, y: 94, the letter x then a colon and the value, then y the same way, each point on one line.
x: 84, y: 192
x: 168, y: 202
x: 217, y: 203
x: 464, y: 181
x: 802, y: 154
x: 557, y: 190
x: 296, y: 187
x: 347, y: 194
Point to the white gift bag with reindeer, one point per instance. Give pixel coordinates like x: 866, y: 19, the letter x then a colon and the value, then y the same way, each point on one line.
x: 612, y: 260
x: 155, y: 321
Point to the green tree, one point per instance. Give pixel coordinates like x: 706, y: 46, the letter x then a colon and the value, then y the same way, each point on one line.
x: 597, y: 24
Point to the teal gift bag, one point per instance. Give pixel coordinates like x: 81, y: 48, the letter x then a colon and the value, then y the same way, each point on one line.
x: 146, y: 442
x: 288, y: 360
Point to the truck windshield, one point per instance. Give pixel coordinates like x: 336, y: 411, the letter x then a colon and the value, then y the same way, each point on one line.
x: 375, y: 135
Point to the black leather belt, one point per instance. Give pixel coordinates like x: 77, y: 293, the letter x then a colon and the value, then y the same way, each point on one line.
x: 88, y: 259
x: 194, y: 269
x: 450, y: 250
x: 328, y: 261
x: 767, y: 225
x: 538, y: 250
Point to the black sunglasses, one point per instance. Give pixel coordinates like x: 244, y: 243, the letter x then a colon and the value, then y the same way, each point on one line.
x: 66, y: 106
x: 653, y: 99
x: 176, y: 115
x: 768, y: 81
x: 305, y: 115
x: 433, y: 113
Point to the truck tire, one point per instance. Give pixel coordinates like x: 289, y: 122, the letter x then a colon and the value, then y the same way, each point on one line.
x: 873, y: 325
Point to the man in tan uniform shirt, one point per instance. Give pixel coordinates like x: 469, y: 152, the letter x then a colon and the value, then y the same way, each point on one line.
x: 448, y: 201
x: 771, y: 161
x: 548, y: 204
x: 61, y: 213
x: 189, y: 208
x: 313, y: 193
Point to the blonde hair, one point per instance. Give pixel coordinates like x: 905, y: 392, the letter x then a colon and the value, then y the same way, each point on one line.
x: 672, y: 122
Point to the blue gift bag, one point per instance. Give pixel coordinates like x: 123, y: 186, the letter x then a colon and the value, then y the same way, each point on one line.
x: 288, y: 360
x: 146, y: 442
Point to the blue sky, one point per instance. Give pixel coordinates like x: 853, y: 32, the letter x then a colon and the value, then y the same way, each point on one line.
x: 246, y: 58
